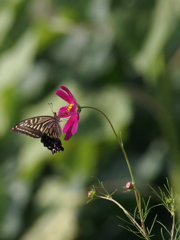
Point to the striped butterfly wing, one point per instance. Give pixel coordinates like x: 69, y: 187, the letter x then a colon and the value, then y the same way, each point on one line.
x: 45, y: 127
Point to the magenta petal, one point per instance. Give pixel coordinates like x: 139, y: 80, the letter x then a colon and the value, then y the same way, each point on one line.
x: 68, y: 135
x: 62, y: 113
x: 63, y: 109
x: 68, y: 125
x: 64, y: 96
x: 75, y: 124
x: 70, y: 128
x: 68, y: 92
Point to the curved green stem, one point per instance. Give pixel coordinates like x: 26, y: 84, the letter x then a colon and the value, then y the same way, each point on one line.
x: 137, y: 194
x: 118, y: 139
x: 141, y: 230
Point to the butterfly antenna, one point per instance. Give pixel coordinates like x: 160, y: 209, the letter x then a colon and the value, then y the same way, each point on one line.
x: 51, y: 107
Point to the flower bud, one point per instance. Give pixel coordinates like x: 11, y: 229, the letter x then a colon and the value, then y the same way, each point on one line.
x: 91, y: 194
x: 129, y: 185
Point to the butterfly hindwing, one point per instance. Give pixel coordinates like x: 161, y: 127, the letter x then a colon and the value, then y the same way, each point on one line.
x: 53, y: 144
x: 45, y: 127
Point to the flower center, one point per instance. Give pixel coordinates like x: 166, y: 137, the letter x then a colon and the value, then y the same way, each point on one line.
x: 69, y: 107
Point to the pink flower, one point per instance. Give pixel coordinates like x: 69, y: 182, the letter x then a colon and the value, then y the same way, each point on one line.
x: 72, y: 111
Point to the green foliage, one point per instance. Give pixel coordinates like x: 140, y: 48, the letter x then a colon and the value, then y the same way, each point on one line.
x: 119, y: 56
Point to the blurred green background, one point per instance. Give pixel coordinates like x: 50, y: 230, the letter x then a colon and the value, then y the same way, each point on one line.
x: 121, y: 56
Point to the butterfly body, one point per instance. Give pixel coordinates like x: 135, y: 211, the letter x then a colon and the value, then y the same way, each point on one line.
x: 45, y: 127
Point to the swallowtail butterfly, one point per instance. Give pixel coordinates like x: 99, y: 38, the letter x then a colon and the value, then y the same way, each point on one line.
x: 45, y: 127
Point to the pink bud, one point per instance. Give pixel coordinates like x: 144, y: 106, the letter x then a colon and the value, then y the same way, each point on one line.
x: 91, y: 194
x: 129, y: 185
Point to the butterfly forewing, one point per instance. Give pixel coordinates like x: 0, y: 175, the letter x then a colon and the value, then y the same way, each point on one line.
x: 45, y: 127
x: 37, y: 126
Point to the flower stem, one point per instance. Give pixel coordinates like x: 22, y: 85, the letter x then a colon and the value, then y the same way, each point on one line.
x: 136, y: 193
x: 173, y: 226
x: 125, y: 212
x: 118, y: 139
